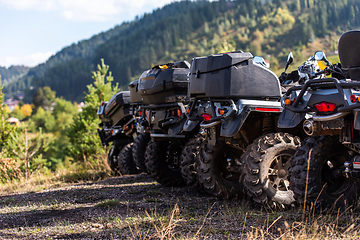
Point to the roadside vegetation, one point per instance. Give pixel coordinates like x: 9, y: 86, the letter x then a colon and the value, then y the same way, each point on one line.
x: 57, y: 140
x: 135, y: 207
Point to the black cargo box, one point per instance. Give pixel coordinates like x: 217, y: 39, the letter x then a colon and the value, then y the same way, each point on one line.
x: 135, y: 96
x: 101, y: 112
x: 233, y: 75
x: 163, y: 81
x: 118, y: 106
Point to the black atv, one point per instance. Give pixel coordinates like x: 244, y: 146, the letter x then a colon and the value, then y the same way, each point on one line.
x: 142, y: 133
x: 236, y: 98
x: 164, y: 92
x: 325, y: 170
x: 118, y: 125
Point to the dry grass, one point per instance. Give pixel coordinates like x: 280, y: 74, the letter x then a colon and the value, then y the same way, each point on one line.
x: 135, y: 207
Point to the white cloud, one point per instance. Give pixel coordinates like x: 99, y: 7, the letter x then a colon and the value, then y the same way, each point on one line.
x: 27, y: 60
x: 45, y: 5
x: 88, y: 10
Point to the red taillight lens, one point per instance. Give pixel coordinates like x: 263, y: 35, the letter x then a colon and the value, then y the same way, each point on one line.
x: 353, y: 98
x: 206, y: 117
x: 267, y: 109
x: 102, y: 103
x: 140, y: 112
x: 178, y: 112
x: 325, y: 107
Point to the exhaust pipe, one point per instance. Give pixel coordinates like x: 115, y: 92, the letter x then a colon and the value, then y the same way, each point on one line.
x: 311, y: 128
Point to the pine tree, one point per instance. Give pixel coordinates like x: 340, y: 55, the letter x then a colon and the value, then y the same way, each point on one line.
x: 85, y: 142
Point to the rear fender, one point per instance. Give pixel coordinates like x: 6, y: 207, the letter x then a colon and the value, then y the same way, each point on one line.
x: 357, y: 120
x: 231, y: 126
x: 290, y: 119
x: 190, y: 125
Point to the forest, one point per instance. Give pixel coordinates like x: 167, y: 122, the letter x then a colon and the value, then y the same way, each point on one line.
x: 93, y: 70
x: 187, y: 29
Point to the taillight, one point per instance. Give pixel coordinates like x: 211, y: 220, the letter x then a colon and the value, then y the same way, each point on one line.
x: 353, y: 98
x: 140, y: 112
x: 206, y: 117
x: 267, y: 109
x: 102, y: 103
x: 178, y: 112
x: 325, y: 107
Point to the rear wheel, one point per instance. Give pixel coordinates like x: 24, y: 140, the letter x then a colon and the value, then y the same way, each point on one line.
x: 188, y: 158
x: 266, y: 164
x: 112, y: 158
x: 316, y: 178
x: 162, y: 162
x: 219, y: 170
x: 138, y: 151
x: 125, y: 161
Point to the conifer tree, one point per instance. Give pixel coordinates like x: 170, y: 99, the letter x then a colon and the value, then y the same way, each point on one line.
x: 85, y: 142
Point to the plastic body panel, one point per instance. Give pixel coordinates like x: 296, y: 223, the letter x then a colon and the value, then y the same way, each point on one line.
x: 233, y: 75
x: 155, y: 85
x: 135, y: 96
x: 118, y: 106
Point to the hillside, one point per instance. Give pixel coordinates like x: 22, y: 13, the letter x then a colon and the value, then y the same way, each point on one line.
x: 13, y: 73
x: 187, y: 29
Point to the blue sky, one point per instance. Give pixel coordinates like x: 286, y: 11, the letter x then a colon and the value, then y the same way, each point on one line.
x: 33, y: 30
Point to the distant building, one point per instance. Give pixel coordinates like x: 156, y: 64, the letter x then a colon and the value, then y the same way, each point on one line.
x: 11, y: 103
x: 80, y: 106
x: 14, y: 121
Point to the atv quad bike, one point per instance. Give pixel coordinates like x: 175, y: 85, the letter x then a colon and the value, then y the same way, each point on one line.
x: 143, y: 136
x: 237, y: 100
x: 164, y: 90
x: 325, y: 170
x: 118, y: 125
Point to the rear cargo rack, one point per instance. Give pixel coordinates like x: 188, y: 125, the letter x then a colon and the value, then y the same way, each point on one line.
x: 322, y: 84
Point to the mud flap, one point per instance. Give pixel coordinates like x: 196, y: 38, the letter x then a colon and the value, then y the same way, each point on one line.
x: 190, y: 125
x: 177, y: 128
x: 231, y: 126
x: 289, y: 119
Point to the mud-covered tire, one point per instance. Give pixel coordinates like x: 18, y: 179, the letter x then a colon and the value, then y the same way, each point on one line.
x: 112, y: 159
x: 218, y: 176
x: 188, y: 159
x: 125, y: 161
x: 161, y: 163
x: 138, y: 150
x: 266, y: 163
x: 312, y: 175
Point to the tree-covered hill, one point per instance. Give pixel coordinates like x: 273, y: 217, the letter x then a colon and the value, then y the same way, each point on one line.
x: 186, y: 29
x: 11, y: 74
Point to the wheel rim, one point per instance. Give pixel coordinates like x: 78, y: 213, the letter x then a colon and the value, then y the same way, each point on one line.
x: 278, y: 172
x: 230, y: 165
x: 173, y: 155
x: 334, y: 186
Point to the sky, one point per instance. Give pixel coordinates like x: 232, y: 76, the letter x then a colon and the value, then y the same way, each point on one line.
x: 33, y: 30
